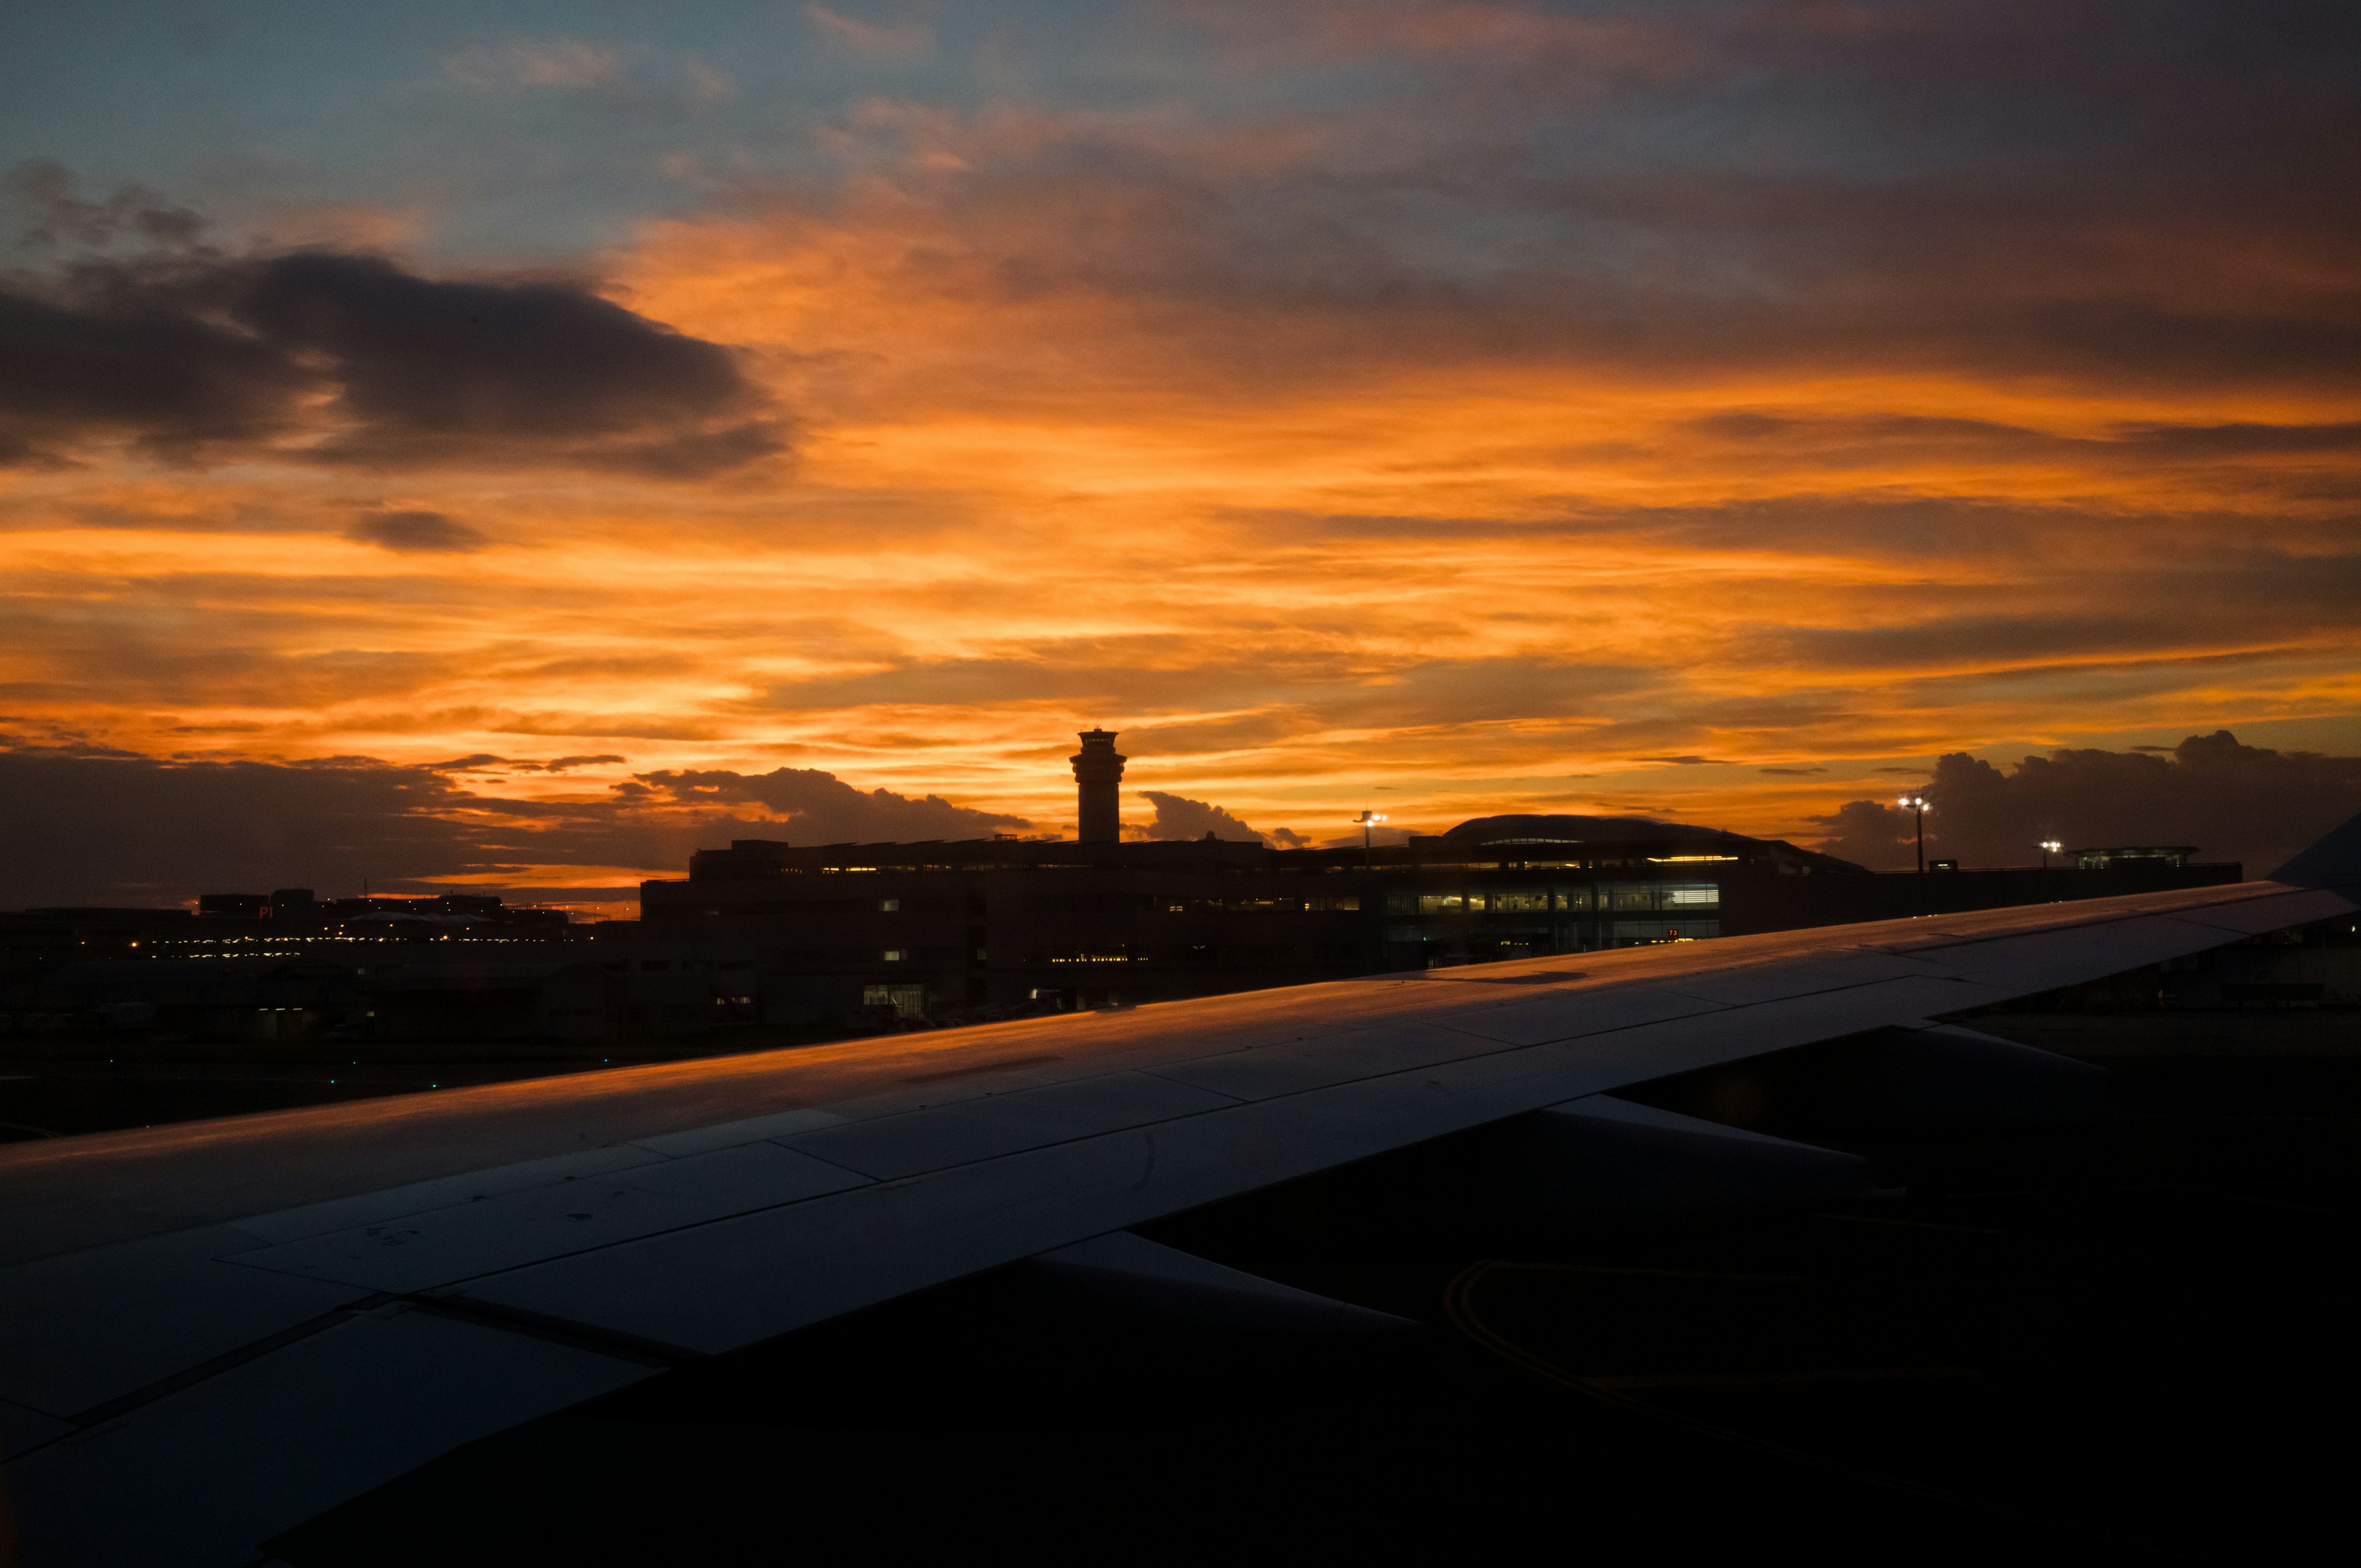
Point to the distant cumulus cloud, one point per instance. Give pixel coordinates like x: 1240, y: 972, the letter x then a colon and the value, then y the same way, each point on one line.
x: 1178, y: 817
x: 416, y: 532
x: 91, y: 825
x: 818, y: 807
x: 2234, y: 802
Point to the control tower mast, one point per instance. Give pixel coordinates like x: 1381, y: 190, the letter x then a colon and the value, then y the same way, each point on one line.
x: 1098, y: 786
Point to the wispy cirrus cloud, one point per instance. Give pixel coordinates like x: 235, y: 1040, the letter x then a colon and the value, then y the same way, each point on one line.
x: 535, y: 64
x: 879, y: 39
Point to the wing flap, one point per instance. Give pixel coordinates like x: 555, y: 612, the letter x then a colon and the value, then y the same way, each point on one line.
x: 939, y: 1138
x: 1171, y: 1283
x: 90, y: 1327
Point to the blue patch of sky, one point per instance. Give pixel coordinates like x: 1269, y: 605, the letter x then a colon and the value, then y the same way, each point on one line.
x: 246, y: 105
x: 1471, y: 163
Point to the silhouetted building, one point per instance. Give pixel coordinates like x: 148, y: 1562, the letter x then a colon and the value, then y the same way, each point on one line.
x: 876, y: 935
x: 954, y: 928
x: 288, y: 967
x: 1098, y: 788
x: 971, y: 929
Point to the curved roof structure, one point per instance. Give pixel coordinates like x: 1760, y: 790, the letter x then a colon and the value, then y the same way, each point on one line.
x: 1539, y: 830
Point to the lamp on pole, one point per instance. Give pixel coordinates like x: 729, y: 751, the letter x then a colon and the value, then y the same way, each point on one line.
x: 1916, y: 805
x: 1368, y: 820
x: 2049, y: 848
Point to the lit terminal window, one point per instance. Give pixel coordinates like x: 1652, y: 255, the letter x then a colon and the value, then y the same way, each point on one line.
x: 906, y: 1000
x: 889, y: 905
x: 894, y: 955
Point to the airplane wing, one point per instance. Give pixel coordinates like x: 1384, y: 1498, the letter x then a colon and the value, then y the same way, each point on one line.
x: 212, y: 1331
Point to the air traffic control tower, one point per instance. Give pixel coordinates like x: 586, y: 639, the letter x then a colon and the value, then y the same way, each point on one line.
x: 1098, y: 786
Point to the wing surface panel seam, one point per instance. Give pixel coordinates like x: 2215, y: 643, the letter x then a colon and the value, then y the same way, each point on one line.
x: 212, y: 1366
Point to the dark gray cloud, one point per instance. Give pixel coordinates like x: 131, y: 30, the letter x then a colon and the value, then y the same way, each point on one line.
x: 416, y: 532
x: 2100, y: 189
x: 345, y: 358
x: 820, y: 807
x: 77, y: 829
x: 2250, y: 803
x: 427, y: 367
x: 48, y: 193
x: 86, y: 825
x: 1870, y: 833
x: 1178, y: 817
x: 93, y: 361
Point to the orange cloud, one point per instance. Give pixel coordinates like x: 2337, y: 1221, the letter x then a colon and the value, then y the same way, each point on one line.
x: 1323, y: 453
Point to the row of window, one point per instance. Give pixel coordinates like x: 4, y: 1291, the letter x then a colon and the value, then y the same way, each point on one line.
x: 1662, y: 928
x: 1163, y: 904
x: 1516, y: 901
x: 1329, y: 954
x: 1678, y: 895
x: 1584, y: 863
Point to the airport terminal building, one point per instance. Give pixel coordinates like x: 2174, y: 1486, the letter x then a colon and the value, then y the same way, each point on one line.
x: 963, y: 930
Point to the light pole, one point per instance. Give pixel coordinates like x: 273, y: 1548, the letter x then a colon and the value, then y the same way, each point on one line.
x: 2049, y: 848
x: 1369, y: 819
x: 1916, y: 805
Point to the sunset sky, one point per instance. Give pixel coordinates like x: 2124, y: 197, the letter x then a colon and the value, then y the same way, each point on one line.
x: 510, y: 433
